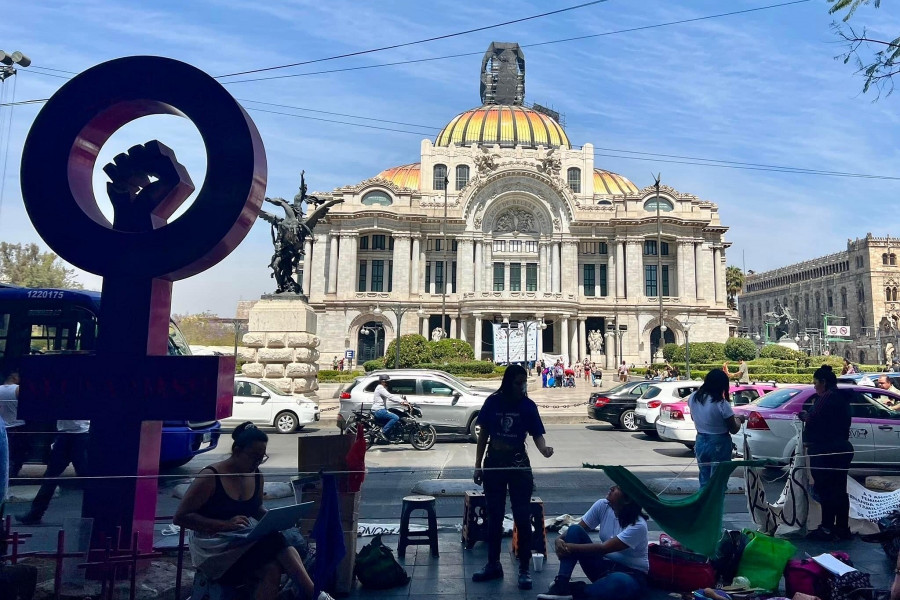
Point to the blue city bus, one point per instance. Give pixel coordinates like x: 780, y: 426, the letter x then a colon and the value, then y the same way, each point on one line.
x: 57, y: 321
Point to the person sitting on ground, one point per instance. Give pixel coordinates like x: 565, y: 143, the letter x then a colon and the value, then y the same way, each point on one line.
x: 380, y: 402
x: 617, y: 565
x: 224, y: 498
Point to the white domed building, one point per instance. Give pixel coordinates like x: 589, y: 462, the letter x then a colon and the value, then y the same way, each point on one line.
x: 535, y: 235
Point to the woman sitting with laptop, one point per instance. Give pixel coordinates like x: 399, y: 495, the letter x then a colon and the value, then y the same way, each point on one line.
x: 223, y: 499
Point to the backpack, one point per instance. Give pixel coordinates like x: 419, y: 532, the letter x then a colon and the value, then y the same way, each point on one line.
x: 377, y: 569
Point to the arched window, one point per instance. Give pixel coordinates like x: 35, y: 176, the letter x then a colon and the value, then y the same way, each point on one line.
x: 884, y: 259
x: 462, y: 176
x: 894, y: 295
x: 843, y: 298
x: 860, y: 294
x: 829, y: 300
x: 377, y: 198
x: 573, y: 178
x: 887, y: 294
x: 759, y: 309
x: 664, y: 205
x: 440, y: 177
x: 893, y: 259
x: 796, y: 306
x: 767, y: 306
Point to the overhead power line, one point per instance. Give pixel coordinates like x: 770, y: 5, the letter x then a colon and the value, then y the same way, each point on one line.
x: 422, y: 41
x: 534, y: 45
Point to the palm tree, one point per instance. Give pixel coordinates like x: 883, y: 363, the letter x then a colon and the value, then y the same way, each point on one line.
x: 734, y: 281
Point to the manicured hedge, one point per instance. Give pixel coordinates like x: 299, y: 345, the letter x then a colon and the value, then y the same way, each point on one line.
x: 450, y: 350
x: 372, y: 365
x: 332, y: 375
x: 472, y: 367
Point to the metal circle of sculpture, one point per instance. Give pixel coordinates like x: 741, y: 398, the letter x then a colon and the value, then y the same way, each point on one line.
x: 61, y: 151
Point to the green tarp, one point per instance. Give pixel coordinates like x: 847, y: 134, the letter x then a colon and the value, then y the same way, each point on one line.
x: 695, y: 521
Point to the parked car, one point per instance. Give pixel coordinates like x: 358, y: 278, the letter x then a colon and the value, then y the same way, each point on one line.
x: 617, y: 405
x: 260, y: 402
x: 659, y: 393
x: 446, y: 402
x: 869, y: 378
x: 676, y: 425
x: 770, y: 432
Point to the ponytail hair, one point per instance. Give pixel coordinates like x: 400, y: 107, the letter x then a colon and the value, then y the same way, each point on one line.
x: 826, y: 375
x: 245, y: 435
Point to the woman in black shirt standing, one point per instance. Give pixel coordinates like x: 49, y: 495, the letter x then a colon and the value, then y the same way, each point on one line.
x: 826, y: 435
x: 506, y: 419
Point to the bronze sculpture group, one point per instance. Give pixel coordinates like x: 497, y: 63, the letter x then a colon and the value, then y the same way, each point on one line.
x: 289, y: 235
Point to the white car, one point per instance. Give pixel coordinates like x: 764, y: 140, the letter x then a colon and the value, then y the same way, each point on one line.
x: 659, y: 393
x: 262, y: 403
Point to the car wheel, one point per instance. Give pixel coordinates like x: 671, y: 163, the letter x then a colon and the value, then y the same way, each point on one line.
x: 474, y: 428
x: 627, y: 420
x: 651, y: 433
x: 286, y: 422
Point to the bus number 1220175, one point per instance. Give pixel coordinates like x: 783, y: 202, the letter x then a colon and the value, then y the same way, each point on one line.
x: 46, y: 294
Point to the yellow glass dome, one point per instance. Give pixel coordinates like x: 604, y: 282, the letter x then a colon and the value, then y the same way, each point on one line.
x: 506, y: 125
x: 607, y: 182
x: 404, y: 176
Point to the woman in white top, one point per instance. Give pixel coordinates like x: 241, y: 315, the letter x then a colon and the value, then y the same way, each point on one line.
x: 715, y: 422
x: 9, y: 406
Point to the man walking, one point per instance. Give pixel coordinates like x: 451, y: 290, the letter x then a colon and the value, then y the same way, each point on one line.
x: 69, y: 447
x: 743, y: 372
x: 380, y: 404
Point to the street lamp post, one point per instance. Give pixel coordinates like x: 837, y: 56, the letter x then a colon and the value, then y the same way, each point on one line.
x: 687, y: 350
x: 9, y: 62
x: 444, y: 328
x: 539, y: 324
x: 399, y: 310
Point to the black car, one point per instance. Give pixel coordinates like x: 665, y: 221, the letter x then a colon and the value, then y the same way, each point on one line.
x: 617, y: 405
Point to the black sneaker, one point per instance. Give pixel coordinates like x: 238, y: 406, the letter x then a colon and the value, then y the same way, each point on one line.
x: 490, y: 571
x: 29, y: 518
x: 578, y: 589
x: 525, y: 582
x: 560, y: 590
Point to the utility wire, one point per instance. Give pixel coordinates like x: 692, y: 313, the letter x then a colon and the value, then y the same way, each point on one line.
x: 337, y: 114
x: 7, y: 145
x: 422, y: 41
x: 559, y: 41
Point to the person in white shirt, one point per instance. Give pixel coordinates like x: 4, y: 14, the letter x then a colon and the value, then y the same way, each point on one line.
x: 617, y: 565
x: 384, y: 398
x: 9, y: 408
x: 69, y: 447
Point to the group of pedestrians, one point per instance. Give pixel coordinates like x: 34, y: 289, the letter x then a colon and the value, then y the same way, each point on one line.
x: 69, y: 447
x: 559, y: 374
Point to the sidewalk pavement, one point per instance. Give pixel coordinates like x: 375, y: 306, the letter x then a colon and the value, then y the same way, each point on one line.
x: 450, y: 574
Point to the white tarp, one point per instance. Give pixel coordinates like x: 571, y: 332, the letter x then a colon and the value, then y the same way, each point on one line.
x: 521, y: 340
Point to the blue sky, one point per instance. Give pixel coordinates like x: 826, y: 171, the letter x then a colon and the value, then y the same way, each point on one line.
x: 761, y: 87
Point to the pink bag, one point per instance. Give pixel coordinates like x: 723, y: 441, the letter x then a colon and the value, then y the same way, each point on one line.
x: 808, y: 577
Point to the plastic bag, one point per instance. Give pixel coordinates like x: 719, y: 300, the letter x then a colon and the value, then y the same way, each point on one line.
x: 764, y: 559
x: 377, y: 569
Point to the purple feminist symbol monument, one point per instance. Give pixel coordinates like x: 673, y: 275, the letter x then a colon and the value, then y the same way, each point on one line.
x: 130, y: 386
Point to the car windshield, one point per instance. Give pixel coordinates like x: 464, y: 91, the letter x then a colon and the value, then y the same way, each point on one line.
x: 270, y: 387
x: 462, y: 384
x: 775, y: 399
x: 653, y: 392
x: 621, y: 388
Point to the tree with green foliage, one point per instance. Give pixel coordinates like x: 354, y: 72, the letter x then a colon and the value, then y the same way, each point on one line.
x: 450, y: 350
x: 738, y: 348
x: 876, y: 60
x: 27, y: 266
x: 734, y: 282
x: 199, y: 330
x: 413, y: 351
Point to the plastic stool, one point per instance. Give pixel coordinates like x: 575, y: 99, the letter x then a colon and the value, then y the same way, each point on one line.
x: 474, y: 527
x: 411, y: 503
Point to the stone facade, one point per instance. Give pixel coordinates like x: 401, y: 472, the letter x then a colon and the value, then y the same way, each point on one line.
x: 857, y: 287
x: 528, y: 228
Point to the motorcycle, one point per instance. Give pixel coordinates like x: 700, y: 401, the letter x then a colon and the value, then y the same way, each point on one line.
x: 420, y: 435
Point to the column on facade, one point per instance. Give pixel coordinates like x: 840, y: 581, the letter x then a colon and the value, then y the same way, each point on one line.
x: 479, y: 266
x: 608, y: 342
x: 506, y: 282
x: 414, y: 280
x: 611, y: 269
x: 538, y: 319
x: 699, y: 266
x: 463, y: 328
x: 718, y: 275
x: 582, y: 337
x: 423, y: 326
x: 453, y: 329
x: 476, y: 340
x: 573, y: 343
x: 564, y: 335
x: 465, y: 268
x: 634, y: 270
x: 488, y: 262
x: 620, y: 269
x: 687, y: 287
x: 346, y: 282
x: 569, y: 268
x: 555, y: 250
x: 545, y: 279
x: 317, y: 272
x: 333, y: 263
x: 307, y: 266
x: 401, y: 258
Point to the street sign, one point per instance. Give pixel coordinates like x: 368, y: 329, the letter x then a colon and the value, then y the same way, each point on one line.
x: 837, y: 331
x: 349, y: 354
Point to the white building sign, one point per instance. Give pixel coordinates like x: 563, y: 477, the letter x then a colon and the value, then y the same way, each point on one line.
x: 837, y: 331
x: 522, y: 347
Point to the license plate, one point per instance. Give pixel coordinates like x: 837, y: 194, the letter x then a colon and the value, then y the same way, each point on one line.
x: 207, y: 437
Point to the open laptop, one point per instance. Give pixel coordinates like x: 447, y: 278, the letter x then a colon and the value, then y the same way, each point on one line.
x: 275, y: 519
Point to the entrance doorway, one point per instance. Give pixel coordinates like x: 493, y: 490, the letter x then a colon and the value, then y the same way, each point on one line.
x: 370, y: 342
x: 668, y: 338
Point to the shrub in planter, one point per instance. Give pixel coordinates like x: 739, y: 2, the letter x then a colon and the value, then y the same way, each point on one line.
x: 706, y: 352
x: 373, y: 365
x: 779, y: 352
x: 450, y: 350
x: 413, y: 350
x: 670, y: 352
x: 740, y: 349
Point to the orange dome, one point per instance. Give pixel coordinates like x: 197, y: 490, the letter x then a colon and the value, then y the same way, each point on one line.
x: 507, y: 125
x: 607, y: 182
x: 404, y: 176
